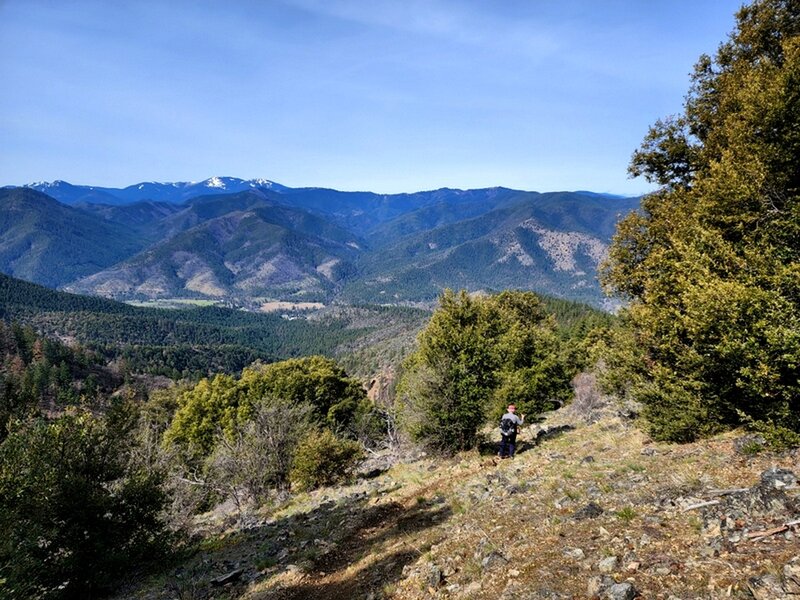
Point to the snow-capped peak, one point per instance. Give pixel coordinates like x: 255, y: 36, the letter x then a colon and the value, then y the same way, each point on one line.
x: 214, y: 182
x: 261, y: 183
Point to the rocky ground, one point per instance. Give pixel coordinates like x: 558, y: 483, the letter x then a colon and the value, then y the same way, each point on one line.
x: 590, y: 508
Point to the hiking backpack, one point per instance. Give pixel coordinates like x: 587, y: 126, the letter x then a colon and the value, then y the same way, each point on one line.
x: 507, y: 426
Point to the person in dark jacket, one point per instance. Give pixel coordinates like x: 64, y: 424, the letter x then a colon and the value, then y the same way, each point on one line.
x: 509, y: 427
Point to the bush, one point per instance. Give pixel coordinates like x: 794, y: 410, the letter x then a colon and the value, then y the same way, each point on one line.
x: 322, y: 459
x: 75, y: 512
x: 258, y: 457
x: 223, y: 404
x: 674, y: 411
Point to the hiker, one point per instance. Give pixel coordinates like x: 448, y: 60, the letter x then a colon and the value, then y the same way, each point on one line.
x: 509, y: 427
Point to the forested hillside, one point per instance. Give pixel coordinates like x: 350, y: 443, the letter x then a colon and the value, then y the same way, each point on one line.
x: 191, y: 341
x: 44, y: 241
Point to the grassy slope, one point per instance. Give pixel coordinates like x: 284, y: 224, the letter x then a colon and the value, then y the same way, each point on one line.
x: 384, y: 536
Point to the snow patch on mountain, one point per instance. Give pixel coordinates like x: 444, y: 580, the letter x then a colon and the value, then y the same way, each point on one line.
x: 214, y: 182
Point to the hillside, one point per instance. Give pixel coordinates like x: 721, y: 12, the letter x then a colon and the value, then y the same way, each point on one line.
x: 549, y: 243
x: 141, y: 217
x: 47, y: 242
x: 243, y: 243
x: 271, y: 252
x: 590, y: 508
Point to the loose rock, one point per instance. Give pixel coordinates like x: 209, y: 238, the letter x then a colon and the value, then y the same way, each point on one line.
x: 493, y: 560
x: 621, y: 591
x: 598, y: 584
x: 778, y: 478
x: 766, y: 587
x: 608, y: 565
x: 435, y: 577
x: 590, y: 511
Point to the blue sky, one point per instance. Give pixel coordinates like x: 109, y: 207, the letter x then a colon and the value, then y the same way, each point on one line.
x: 387, y: 96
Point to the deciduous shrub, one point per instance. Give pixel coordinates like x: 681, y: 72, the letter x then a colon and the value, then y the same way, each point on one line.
x: 257, y: 458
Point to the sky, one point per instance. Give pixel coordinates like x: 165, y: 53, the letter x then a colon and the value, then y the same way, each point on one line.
x: 381, y: 95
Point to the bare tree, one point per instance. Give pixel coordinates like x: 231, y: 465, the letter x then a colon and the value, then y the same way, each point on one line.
x: 256, y: 460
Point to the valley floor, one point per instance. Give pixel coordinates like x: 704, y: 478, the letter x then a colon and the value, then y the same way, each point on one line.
x: 572, y: 516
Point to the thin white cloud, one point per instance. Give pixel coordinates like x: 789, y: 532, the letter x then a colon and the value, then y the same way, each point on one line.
x: 457, y: 22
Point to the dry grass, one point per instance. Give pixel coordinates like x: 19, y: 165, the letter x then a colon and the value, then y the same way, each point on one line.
x: 384, y: 538
x: 659, y: 547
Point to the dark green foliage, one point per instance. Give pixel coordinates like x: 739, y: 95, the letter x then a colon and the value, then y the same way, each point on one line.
x: 778, y: 438
x: 37, y: 372
x: 323, y: 459
x: 189, y: 342
x: 449, y: 379
x: 75, y: 511
x: 477, y: 355
x: 710, y: 263
x: 336, y: 399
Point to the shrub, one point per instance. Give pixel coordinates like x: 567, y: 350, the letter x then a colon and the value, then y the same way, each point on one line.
x: 322, y: 459
x: 257, y: 458
x: 223, y: 403
x: 75, y: 513
x: 475, y: 356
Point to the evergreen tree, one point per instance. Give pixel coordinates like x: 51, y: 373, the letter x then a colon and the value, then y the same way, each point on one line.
x: 475, y: 356
x: 710, y: 264
x: 76, y: 512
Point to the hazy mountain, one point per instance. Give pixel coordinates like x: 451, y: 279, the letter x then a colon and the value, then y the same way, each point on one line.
x: 144, y: 218
x: 363, y: 212
x: 359, y: 211
x: 261, y: 251
x: 150, y: 190
x: 549, y: 243
x: 46, y: 242
x: 318, y: 244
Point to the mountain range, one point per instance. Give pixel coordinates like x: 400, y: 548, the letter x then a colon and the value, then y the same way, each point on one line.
x: 250, y: 242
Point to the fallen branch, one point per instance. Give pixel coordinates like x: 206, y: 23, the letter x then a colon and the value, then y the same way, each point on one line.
x: 755, y: 536
x: 701, y: 505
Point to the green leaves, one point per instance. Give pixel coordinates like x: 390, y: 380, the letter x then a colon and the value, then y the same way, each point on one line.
x: 710, y: 262
x: 217, y: 406
x: 477, y: 355
x: 75, y: 510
